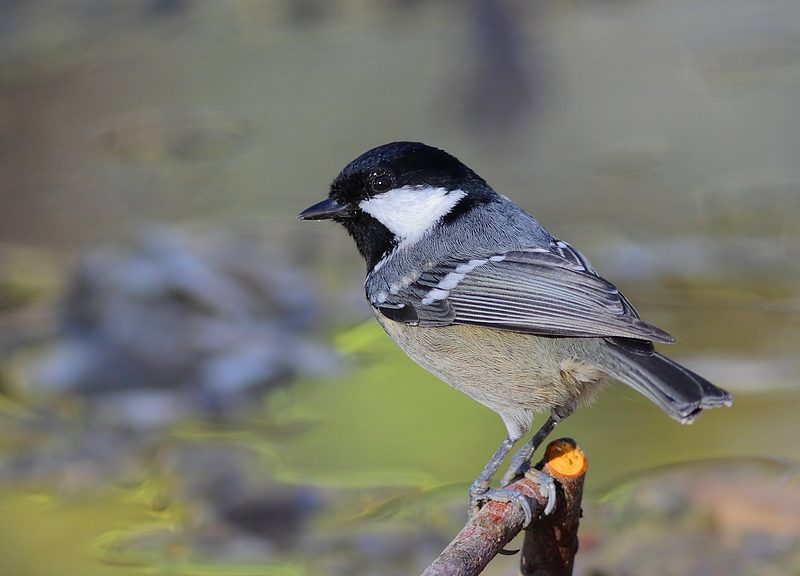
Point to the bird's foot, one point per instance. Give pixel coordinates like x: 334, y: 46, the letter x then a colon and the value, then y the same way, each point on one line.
x: 522, y: 467
x: 547, y: 487
x: 480, y: 493
x: 520, y: 464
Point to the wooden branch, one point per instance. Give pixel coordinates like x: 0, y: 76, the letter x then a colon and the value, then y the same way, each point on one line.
x: 550, y: 541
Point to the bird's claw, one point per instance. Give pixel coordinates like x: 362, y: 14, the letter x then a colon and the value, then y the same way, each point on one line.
x: 480, y: 493
x: 547, y: 486
x: 519, y: 465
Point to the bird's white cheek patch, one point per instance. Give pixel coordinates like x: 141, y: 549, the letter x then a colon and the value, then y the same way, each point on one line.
x: 409, y: 212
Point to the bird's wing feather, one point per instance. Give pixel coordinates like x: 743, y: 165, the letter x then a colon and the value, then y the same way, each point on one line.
x: 551, y: 292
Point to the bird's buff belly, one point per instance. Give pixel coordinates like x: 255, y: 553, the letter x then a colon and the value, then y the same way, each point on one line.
x: 518, y: 372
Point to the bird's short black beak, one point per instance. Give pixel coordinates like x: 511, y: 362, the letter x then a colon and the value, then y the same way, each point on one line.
x: 325, y: 210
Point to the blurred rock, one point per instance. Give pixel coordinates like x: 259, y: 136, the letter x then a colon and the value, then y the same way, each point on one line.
x: 179, y: 323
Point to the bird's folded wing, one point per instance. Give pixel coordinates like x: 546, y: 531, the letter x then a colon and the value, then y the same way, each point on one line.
x: 549, y: 292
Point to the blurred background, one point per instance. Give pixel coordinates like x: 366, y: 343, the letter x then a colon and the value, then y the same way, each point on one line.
x: 191, y: 382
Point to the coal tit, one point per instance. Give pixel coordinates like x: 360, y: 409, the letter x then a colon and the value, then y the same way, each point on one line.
x: 476, y: 291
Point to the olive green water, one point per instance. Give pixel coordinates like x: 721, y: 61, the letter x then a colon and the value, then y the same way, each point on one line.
x: 660, y: 138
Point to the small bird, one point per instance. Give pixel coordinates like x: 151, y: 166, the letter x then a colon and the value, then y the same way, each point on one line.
x: 477, y: 292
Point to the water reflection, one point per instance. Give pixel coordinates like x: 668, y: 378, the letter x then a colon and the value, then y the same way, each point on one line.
x: 748, y: 57
x: 757, y: 204
x: 740, y: 293
x: 738, y: 516
x: 184, y: 136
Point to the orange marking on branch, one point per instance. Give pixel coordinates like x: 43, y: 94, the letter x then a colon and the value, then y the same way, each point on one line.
x: 564, y: 458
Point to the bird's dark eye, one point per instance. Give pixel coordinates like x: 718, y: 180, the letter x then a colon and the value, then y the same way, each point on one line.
x: 381, y: 182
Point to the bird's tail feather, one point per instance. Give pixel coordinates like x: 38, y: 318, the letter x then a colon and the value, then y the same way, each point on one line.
x: 677, y: 390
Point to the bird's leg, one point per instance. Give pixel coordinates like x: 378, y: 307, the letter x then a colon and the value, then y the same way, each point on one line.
x: 480, y: 492
x: 521, y: 462
x: 522, y: 459
x: 481, y: 484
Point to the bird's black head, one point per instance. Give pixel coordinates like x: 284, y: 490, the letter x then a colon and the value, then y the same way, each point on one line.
x: 395, y: 193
